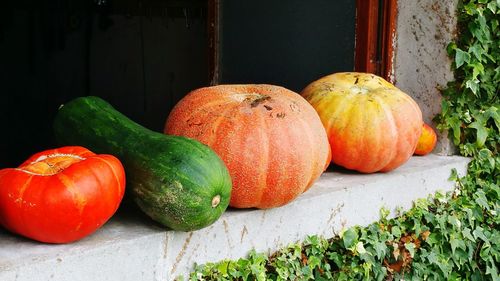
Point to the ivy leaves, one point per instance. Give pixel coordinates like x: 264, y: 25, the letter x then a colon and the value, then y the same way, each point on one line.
x: 461, y: 57
x: 471, y: 103
x: 454, y: 236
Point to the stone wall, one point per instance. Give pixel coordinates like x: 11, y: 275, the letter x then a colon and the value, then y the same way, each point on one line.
x: 421, y: 65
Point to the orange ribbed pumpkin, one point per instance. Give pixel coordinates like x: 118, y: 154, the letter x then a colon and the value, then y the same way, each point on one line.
x: 371, y: 125
x: 270, y: 138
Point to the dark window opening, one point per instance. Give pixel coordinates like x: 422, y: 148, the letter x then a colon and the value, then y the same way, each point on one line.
x: 144, y: 55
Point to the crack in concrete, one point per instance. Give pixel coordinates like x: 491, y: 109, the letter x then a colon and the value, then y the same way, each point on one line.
x: 165, y: 246
x: 243, y: 232
x: 226, y: 230
x: 181, y: 253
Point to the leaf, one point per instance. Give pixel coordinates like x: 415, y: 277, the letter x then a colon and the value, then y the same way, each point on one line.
x: 433, y: 258
x: 481, y: 199
x: 482, y: 22
x: 396, y: 252
x: 380, y: 249
x: 467, y: 234
x: 470, y: 8
x: 478, y: 233
x: 411, y: 249
x: 384, y: 213
x: 481, y: 133
x: 455, y: 124
x: 454, y: 221
x: 461, y: 57
x: 396, y: 266
x: 456, y: 243
x: 313, y: 262
x: 444, y: 266
x: 360, y: 248
x: 492, y: 271
x: 473, y: 85
x: 485, y: 159
x: 337, y: 259
x: 477, y: 50
x: 494, y: 24
x: 493, y: 112
x: 453, y: 176
x: 478, y: 32
x: 492, y: 6
x: 485, y: 252
x: 433, y: 238
x: 350, y: 237
x: 367, y: 269
x: 425, y: 235
x: 222, y: 267
x: 477, y: 68
x: 396, y: 231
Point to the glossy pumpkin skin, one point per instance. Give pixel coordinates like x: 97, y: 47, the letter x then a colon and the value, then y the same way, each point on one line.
x: 427, y: 141
x: 371, y: 125
x: 270, y: 138
x: 61, y: 195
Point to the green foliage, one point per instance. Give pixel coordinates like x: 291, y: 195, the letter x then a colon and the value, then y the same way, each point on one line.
x: 453, y: 236
x: 471, y: 104
x: 251, y: 268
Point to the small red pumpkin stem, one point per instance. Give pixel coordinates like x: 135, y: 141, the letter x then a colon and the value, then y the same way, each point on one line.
x: 51, y: 164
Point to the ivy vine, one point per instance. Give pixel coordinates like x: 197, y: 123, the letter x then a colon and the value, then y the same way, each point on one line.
x: 453, y: 236
x: 470, y: 109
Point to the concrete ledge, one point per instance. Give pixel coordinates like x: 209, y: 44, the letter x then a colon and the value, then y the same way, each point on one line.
x: 132, y: 247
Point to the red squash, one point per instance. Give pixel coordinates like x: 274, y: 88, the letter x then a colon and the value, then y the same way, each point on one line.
x: 270, y: 138
x: 61, y: 195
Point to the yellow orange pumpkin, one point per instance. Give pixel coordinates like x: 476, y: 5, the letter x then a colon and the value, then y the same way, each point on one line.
x: 270, y: 138
x: 371, y: 125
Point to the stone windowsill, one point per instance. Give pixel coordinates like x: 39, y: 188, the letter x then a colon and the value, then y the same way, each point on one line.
x: 132, y: 247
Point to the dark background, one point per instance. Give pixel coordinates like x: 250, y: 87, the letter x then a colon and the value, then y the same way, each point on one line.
x: 143, y: 56
x: 289, y: 43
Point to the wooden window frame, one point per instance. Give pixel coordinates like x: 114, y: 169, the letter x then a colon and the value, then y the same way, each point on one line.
x: 375, y: 34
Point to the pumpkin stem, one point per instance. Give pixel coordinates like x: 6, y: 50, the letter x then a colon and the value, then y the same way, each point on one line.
x: 48, y: 165
x: 215, y: 201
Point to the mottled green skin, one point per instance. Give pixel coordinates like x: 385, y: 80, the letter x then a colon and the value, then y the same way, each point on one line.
x: 172, y: 179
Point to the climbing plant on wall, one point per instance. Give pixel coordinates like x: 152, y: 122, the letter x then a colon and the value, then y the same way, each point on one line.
x: 453, y: 236
x: 470, y: 109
